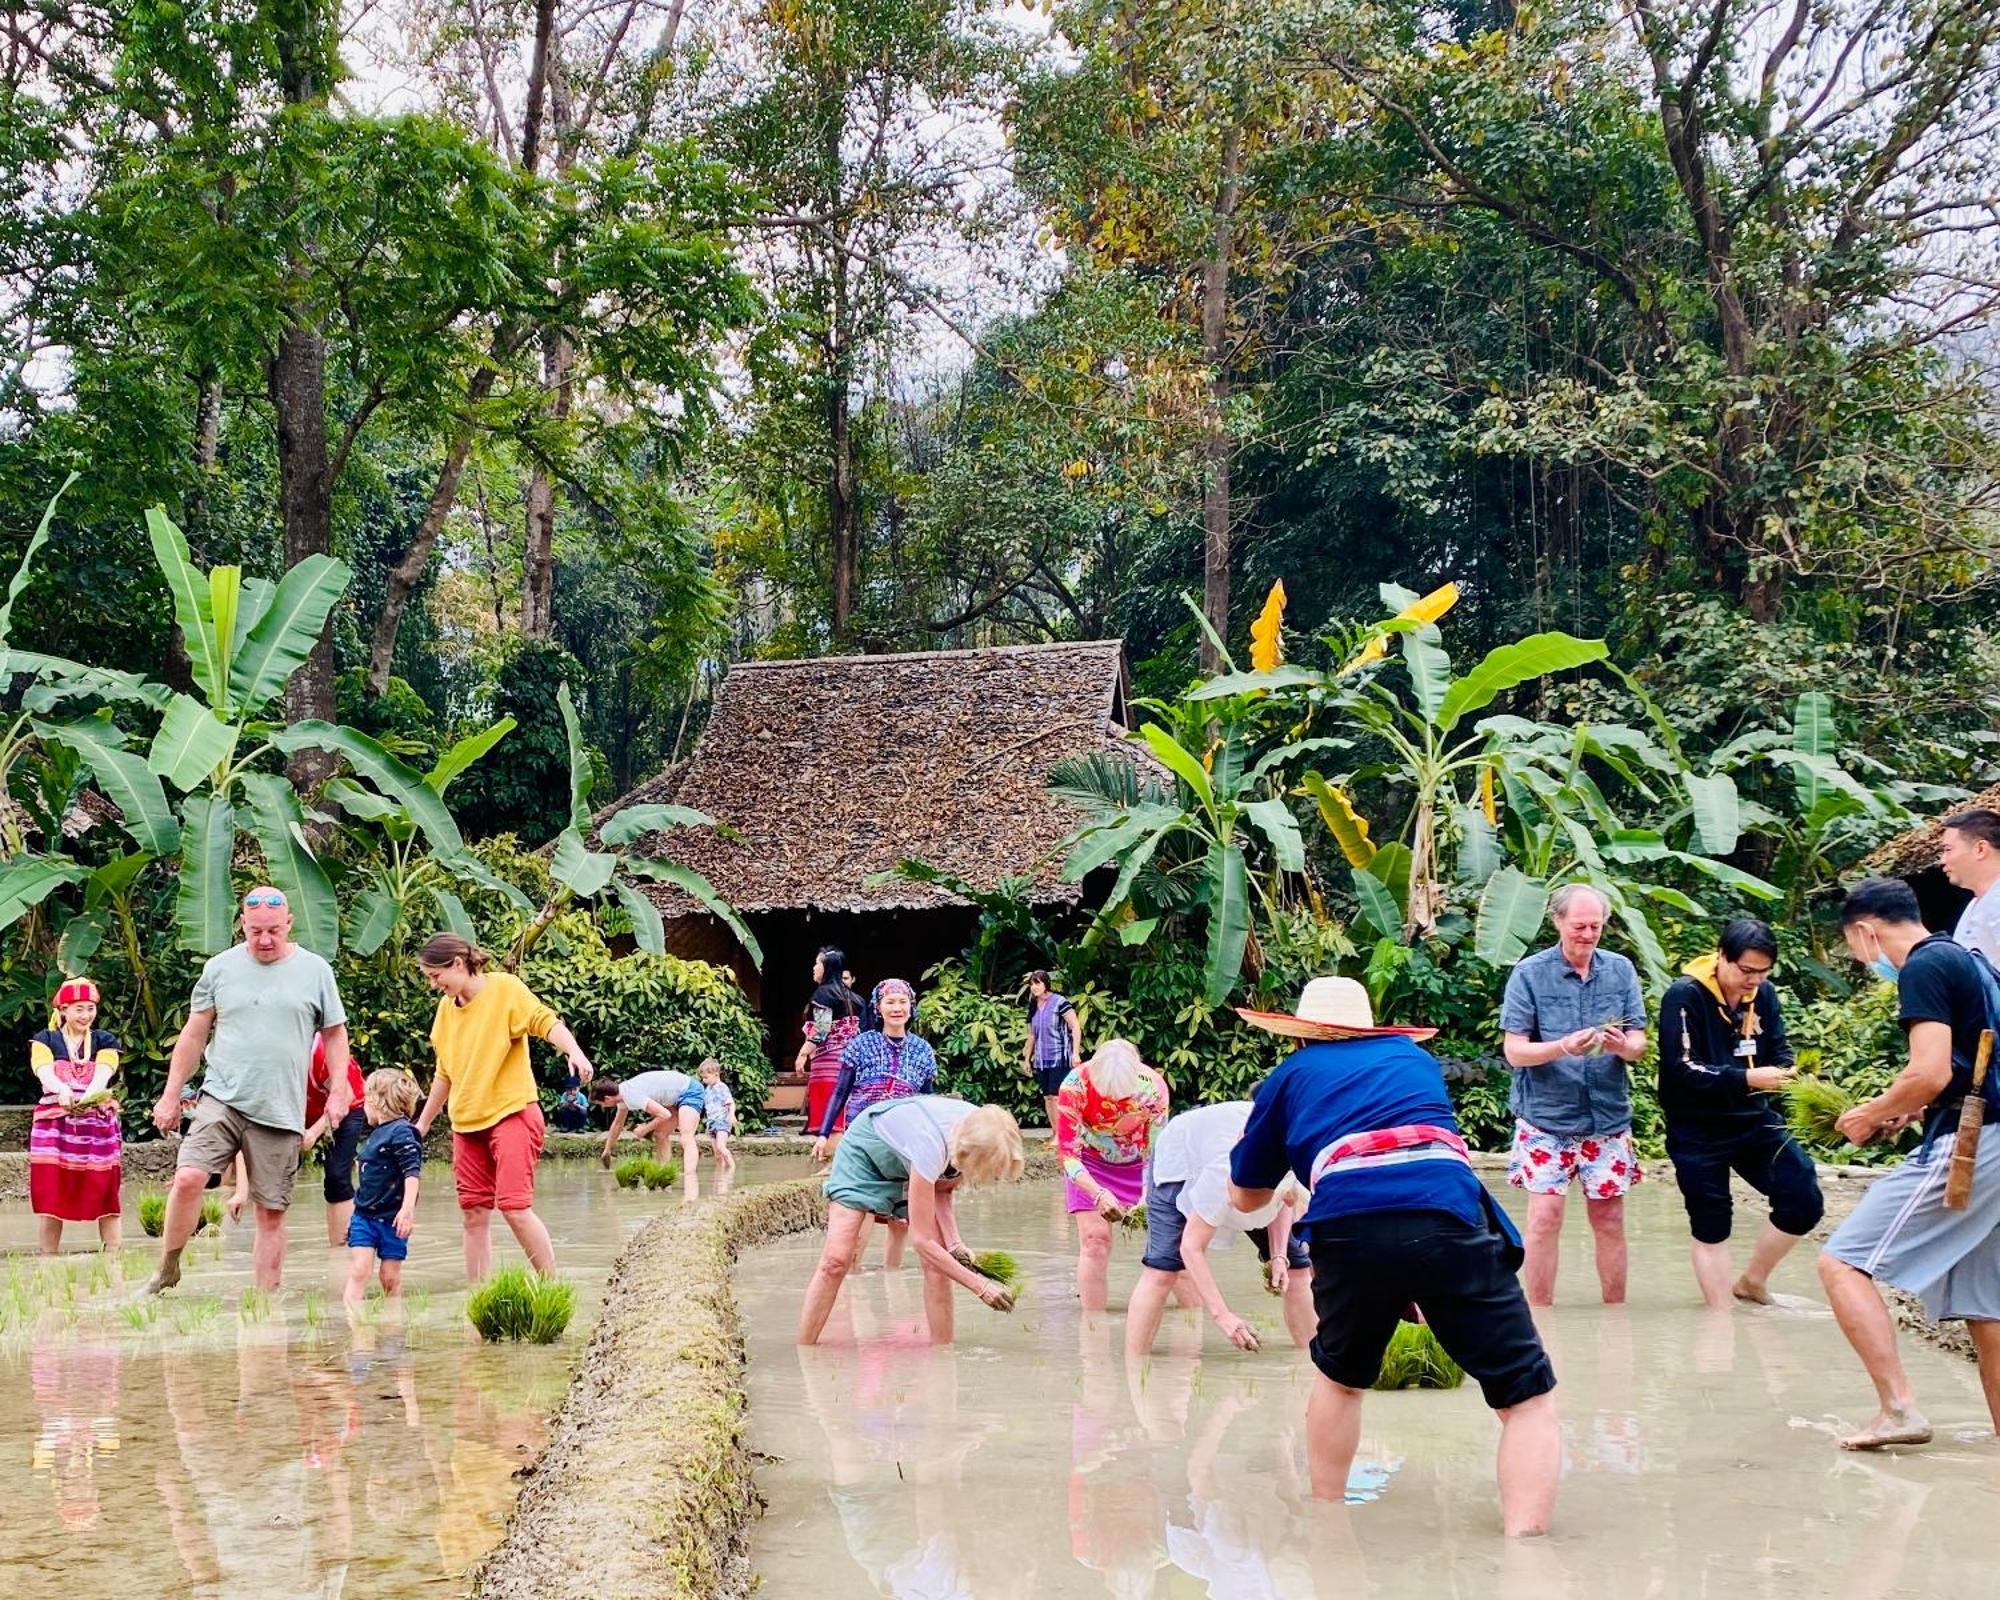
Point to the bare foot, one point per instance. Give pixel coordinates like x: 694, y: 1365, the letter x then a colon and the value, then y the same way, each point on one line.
x: 168, y: 1275
x: 1901, y: 1425
x: 1755, y: 1293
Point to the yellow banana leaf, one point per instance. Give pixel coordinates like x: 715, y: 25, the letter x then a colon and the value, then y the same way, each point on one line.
x: 1429, y: 609
x: 1267, y: 650
x: 1348, y: 826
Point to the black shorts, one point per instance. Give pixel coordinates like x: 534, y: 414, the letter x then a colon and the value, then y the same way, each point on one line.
x: 1050, y: 1080
x: 1296, y: 1253
x: 1367, y: 1269
x: 342, y: 1146
x: 1764, y: 1155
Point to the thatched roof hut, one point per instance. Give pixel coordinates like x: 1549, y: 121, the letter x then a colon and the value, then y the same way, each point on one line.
x: 1914, y: 855
x: 831, y: 771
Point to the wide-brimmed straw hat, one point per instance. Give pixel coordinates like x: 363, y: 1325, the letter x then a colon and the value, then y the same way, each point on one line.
x: 1330, y: 1008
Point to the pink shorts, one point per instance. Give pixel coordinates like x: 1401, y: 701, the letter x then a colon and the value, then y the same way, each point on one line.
x: 1603, y: 1165
x: 494, y: 1168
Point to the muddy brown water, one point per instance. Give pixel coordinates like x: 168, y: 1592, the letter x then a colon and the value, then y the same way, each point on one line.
x: 232, y: 1450
x: 1029, y: 1460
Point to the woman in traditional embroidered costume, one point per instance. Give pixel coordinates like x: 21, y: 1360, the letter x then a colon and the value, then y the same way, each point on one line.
x: 75, y: 1151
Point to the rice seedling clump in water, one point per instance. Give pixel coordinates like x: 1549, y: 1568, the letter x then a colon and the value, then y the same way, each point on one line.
x: 519, y: 1303
x: 1415, y: 1360
x: 636, y: 1172
x: 153, y: 1213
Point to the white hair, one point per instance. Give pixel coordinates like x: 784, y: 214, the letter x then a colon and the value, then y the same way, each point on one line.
x: 1114, y: 1071
x: 1565, y: 897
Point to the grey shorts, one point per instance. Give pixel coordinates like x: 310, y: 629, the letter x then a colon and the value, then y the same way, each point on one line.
x: 217, y: 1132
x: 1901, y: 1234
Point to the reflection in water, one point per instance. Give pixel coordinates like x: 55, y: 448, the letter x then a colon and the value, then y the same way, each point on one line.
x: 1075, y: 1474
x: 226, y: 1448
x: 76, y: 1393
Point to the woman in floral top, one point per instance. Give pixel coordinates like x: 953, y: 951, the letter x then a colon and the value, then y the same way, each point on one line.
x: 1106, y: 1112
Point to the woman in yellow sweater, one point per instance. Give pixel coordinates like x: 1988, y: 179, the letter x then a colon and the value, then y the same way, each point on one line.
x: 480, y: 1037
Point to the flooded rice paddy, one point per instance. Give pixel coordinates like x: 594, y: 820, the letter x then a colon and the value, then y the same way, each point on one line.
x: 216, y: 1443
x: 1031, y: 1461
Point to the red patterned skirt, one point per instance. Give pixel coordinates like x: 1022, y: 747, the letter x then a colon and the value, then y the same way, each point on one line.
x: 74, y: 1163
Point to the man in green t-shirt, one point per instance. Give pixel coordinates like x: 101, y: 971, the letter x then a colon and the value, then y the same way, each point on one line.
x: 256, y: 1009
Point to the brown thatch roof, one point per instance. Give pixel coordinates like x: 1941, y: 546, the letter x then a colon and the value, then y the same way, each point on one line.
x: 832, y: 770
x: 1910, y: 853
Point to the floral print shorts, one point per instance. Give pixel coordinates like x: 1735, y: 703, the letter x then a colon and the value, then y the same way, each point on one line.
x: 1603, y: 1165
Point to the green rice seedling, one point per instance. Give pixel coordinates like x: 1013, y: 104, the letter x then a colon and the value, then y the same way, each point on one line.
x: 643, y: 1172
x: 1813, y: 1106
x: 999, y: 1266
x: 1415, y: 1360
x: 141, y: 1314
x: 519, y: 1303
x: 152, y: 1212
x: 1135, y: 1217
x: 313, y: 1308
x: 97, y: 1277
x: 191, y: 1316
x: 417, y: 1305
x: 254, y: 1304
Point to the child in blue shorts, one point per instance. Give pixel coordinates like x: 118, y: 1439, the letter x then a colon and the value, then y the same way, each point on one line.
x: 718, y: 1107
x: 385, y: 1201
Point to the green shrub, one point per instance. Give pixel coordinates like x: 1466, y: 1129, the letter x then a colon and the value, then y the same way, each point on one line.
x: 1206, y: 1054
x: 518, y: 1303
x: 636, y: 1172
x: 1849, y: 1050
x: 1415, y: 1360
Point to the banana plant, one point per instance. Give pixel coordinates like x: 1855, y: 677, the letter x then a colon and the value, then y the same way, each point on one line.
x: 404, y: 878
x: 1433, y: 746
x: 30, y: 744
x: 580, y: 873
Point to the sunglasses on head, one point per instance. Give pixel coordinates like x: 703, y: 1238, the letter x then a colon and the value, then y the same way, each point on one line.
x: 272, y: 899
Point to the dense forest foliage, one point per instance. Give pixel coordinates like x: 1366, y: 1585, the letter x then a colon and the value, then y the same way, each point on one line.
x: 590, y: 345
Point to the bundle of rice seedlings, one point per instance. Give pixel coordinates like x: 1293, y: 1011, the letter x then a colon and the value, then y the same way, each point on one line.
x: 999, y: 1266
x: 152, y: 1213
x: 643, y: 1172
x: 1415, y: 1360
x: 1813, y: 1106
x: 519, y: 1303
x: 1135, y: 1217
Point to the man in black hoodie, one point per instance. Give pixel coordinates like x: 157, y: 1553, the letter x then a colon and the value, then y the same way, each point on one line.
x: 1722, y: 1053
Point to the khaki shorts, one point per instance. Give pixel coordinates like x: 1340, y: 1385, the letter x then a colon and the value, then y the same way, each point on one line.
x: 217, y: 1132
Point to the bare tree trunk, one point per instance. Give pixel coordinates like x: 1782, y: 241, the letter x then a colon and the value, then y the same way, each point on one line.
x: 843, y: 522
x: 407, y: 573
x: 538, y: 553
x: 297, y: 382
x: 1215, y: 445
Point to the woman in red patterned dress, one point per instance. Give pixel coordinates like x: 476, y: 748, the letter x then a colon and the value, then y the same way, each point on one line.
x: 75, y: 1150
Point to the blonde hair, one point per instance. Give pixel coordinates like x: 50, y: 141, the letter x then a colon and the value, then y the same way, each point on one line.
x: 394, y: 1090
x: 1115, y: 1071
x: 708, y: 1066
x: 986, y: 1146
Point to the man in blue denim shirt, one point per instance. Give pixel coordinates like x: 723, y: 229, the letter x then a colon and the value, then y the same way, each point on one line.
x: 1573, y: 1017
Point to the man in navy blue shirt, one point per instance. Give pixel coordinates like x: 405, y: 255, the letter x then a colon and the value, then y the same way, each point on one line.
x: 1362, y: 1118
